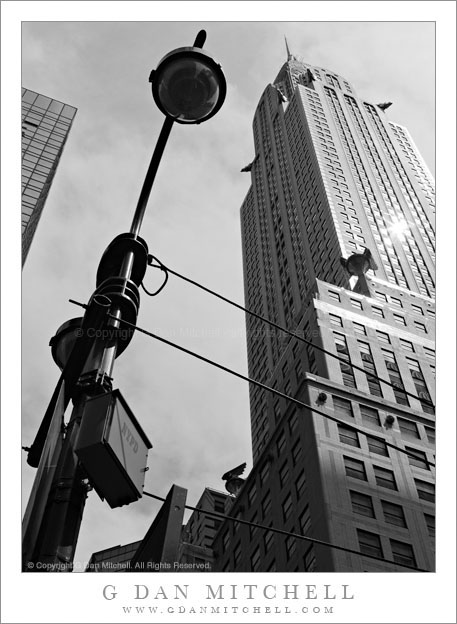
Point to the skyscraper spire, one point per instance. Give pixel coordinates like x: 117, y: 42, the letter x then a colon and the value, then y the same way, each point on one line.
x: 289, y: 55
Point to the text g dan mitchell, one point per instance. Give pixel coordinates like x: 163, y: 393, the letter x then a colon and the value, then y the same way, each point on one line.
x: 230, y: 592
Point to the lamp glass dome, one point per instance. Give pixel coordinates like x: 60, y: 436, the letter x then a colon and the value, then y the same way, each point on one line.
x: 189, y: 86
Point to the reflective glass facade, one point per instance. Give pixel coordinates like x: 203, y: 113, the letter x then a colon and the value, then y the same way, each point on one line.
x: 45, y: 127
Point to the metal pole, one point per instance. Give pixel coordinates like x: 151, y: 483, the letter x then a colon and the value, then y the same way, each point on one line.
x: 150, y: 176
x: 58, y: 534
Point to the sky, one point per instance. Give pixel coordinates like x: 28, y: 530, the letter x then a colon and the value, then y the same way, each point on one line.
x: 196, y: 417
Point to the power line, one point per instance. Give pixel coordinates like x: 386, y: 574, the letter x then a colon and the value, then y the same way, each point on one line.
x: 264, y: 387
x: 289, y: 534
x: 274, y: 391
x: 162, y: 267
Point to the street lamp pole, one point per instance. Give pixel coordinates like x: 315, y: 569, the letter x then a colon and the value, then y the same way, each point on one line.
x: 189, y: 87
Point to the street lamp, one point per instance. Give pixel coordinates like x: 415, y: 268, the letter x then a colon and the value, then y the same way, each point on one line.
x: 189, y: 87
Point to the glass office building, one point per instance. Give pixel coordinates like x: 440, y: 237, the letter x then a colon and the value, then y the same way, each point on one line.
x: 45, y: 127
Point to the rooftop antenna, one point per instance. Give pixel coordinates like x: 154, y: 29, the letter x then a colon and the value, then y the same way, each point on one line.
x: 289, y: 55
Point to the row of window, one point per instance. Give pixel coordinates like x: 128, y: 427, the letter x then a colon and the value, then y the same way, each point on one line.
x: 370, y: 544
x: 398, y: 318
x: 391, y: 365
x: 358, y: 328
x: 362, y: 505
x: 378, y: 446
x: 385, y: 478
x: 370, y: 417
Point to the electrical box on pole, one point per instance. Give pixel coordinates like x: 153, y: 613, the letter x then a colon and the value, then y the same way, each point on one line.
x: 113, y: 449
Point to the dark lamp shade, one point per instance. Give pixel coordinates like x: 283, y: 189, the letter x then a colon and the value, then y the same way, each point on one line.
x: 63, y: 342
x: 189, y: 86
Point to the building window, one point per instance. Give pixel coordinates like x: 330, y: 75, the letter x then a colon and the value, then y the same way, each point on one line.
x: 283, y: 474
x: 287, y: 508
x: 399, y: 319
x: 430, y: 522
x: 407, y: 345
x: 403, y: 553
x: 343, y: 353
x: 408, y: 428
x: 359, y: 329
x: 417, y: 458
x: 295, y: 349
x: 342, y: 407
x: 378, y: 446
x: 310, y: 560
x: 264, y: 473
x: 281, y: 444
x: 291, y: 546
x: 293, y: 422
x: 335, y: 320
x: 362, y: 504
x: 253, y: 529
x: 277, y: 411
x: 297, y: 452
x: 355, y: 303
x: 266, y: 506
x: 417, y: 309
x: 394, y: 377
x: 369, y: 368
x: 383, y: 337
x: 393, y: 514
x: 420, y: 326
x: 255, y: 560
x: 370, y: 416
x: 385, y: 478
x: 300, y: 484
x: 381, y: 296
x: 355, y: 468
x: 419, y: 383
x: 268, y: 540
x: 305, y: 521
x: 348, y: 436
x: 369, y: 543
x: 237, y: 554
x: 334, y: 295
x: 396, y: 302
x: 430, y: 432
x: 252, y: 494
x: 425, y: 490
x: 377, y: 311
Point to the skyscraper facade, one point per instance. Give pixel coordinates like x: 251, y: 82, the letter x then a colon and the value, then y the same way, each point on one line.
x: 338, y: 244
x: 45, y: 127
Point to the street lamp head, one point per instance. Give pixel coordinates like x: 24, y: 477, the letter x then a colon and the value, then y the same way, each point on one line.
x: 188, y: 85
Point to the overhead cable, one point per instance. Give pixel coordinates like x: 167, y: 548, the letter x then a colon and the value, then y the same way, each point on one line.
x: 268, y: 388
x: 161, y: 266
